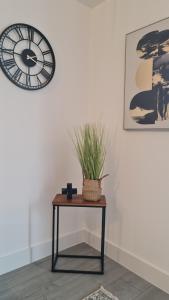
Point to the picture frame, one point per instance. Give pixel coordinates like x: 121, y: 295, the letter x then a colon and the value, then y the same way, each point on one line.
x: 146, y: 90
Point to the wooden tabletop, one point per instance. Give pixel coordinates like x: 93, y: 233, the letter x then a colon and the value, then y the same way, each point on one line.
x: 61, y: 200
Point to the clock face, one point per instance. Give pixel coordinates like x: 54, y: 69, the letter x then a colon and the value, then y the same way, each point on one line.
x: 26, y: 56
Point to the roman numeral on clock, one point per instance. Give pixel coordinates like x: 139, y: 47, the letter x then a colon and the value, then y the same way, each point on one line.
x: 8, y: 51
x: 28, y: 80
x: 9, y: 38
x: 9, y: 63
x: 38, y: 80
x: 46, y: 52
x: 48, y: 64
x: 30, y: 34
x: 19, y: 33
x: 45, y: 74
x: 40, y: 41
x: 17, y: 75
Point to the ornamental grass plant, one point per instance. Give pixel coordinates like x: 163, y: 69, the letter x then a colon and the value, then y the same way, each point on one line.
x: 89, y: 143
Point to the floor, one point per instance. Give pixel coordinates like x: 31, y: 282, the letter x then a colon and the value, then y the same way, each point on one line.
x: 36, y: 282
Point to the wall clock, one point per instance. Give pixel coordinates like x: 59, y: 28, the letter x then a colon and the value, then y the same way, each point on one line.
x: 26, y: 56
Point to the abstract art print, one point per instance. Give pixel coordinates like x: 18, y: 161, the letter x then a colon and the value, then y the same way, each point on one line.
x: 147, y: 77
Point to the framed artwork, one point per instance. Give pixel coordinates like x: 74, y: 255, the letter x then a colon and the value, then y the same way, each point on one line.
x: 146, y: 104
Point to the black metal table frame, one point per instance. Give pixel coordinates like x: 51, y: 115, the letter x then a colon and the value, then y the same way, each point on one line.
x: 57, y: 255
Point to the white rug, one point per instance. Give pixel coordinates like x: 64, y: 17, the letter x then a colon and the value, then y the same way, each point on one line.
x: 101, y: 294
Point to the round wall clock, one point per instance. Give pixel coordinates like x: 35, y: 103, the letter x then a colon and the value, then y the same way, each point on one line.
x: 26, y: 56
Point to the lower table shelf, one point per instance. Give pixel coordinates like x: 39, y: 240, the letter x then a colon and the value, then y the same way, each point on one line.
x: 55, y: 269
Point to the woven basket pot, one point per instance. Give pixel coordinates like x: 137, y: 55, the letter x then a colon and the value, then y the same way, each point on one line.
x: 91, y: 190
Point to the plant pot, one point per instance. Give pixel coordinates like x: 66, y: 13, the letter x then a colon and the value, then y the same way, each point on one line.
x: 91, y: 190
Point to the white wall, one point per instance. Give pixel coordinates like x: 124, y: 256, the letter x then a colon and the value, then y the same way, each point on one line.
x: 36, y: 153
x: 137, y: 189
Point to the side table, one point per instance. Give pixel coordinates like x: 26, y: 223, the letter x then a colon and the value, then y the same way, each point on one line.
x: 77, y: 201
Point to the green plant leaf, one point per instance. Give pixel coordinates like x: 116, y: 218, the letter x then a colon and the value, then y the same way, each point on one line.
x: 89, y: 142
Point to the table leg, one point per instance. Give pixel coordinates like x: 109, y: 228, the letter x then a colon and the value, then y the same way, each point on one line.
x: 57, y: 233
x: 53, y: 238
x: 103, y: 239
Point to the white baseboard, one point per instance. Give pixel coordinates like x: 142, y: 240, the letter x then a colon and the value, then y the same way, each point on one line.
x: 23, y: 257
x: 142, y: 268
x: 14, y: 261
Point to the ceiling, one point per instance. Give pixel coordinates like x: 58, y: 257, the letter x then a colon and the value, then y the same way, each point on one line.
x: 91, y: 3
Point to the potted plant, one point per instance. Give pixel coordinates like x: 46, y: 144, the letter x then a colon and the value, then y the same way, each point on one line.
x: 89, y: 143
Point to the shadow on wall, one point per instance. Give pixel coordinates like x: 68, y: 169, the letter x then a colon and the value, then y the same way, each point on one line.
x: 111, y: 187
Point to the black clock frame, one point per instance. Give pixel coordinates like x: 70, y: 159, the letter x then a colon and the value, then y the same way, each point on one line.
x: 31, y: 63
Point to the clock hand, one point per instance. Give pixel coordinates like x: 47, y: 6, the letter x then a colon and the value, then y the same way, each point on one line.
x: 30, y: 57
x: 17, y: 53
